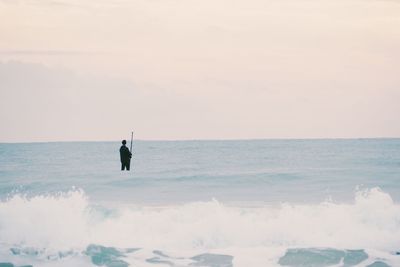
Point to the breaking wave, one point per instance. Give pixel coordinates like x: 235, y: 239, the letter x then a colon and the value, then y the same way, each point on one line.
x: 67, y: 227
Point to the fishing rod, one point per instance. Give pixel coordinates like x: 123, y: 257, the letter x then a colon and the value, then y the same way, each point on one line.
x: 131, y: 142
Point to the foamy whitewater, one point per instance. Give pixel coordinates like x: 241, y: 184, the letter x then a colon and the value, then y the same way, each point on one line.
x: 201, y: 203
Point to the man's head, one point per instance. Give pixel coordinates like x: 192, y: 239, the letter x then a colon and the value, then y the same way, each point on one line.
x: 124, y: 142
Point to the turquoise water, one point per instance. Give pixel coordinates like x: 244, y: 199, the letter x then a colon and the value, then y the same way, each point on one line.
x: 201, y: 203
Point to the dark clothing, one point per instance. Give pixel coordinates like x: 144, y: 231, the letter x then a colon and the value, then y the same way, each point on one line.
x: 126, y: 156
x: 126, y: 164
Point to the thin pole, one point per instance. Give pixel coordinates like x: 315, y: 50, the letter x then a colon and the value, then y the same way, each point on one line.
x: 131, y: 141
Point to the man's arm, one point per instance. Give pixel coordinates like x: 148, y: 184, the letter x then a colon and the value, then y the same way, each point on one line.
x: 127, y: 153
x: 121, y: 153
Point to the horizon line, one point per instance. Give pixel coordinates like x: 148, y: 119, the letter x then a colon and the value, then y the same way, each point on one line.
x: 201, y: 140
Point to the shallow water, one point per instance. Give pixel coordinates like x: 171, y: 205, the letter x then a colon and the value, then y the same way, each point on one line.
x: 201, y: 203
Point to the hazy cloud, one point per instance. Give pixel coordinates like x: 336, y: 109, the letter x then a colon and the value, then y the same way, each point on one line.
x: 50, y: 102
x: 37, y: 2
x: 49, y: 52
x: 42, y: 103
x: 67, y: 3
x: 201, y: 69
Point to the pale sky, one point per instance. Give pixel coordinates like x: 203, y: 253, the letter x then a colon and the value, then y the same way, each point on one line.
x: 191, y: 69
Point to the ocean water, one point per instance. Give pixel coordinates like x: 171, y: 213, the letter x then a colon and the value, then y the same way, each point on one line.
x: 243, y: 203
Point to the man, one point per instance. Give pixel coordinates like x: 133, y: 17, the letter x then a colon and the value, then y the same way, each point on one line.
x: 126, y: 156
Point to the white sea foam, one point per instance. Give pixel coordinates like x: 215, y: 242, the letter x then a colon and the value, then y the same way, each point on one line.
x: 68, y: 223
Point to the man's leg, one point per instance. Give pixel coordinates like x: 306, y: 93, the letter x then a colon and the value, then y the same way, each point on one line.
x: 128, y: 165
x: 122, y: 166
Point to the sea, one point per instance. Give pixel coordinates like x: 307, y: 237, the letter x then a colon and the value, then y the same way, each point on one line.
x: 216, y: 203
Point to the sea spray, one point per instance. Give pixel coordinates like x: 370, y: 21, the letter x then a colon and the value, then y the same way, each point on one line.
x: 47, y: 222
x: 53, y: 227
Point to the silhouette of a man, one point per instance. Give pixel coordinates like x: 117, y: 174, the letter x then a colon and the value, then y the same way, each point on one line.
x: 126, y: 156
